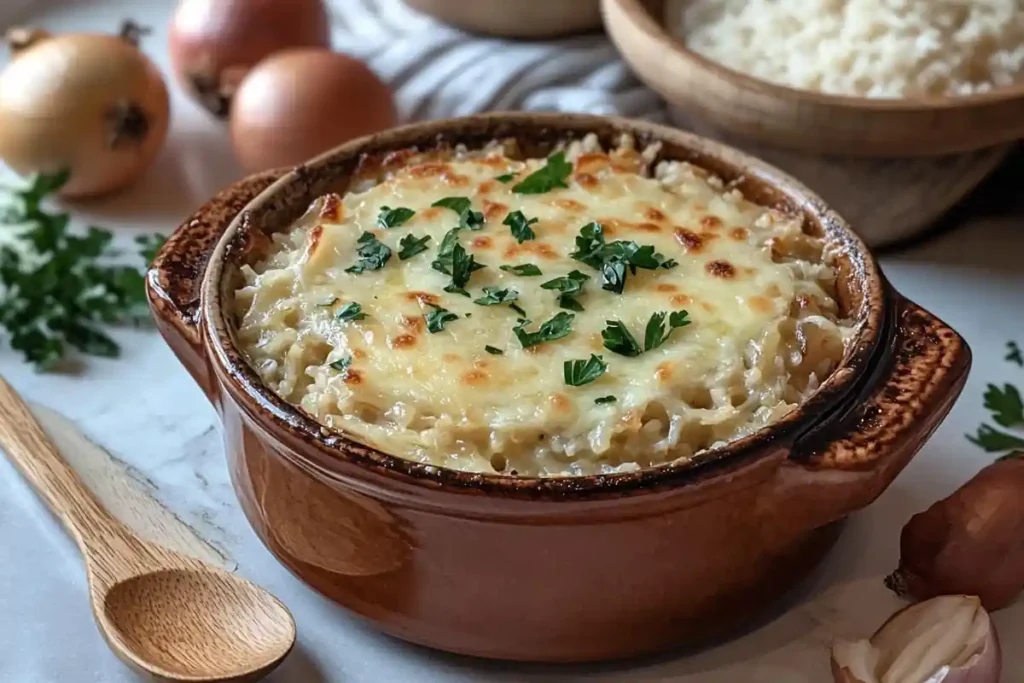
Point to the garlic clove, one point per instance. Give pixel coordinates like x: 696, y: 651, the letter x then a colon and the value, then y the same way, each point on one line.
x: 948, y: 639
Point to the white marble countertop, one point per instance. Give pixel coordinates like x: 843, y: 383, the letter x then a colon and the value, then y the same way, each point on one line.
x: 147, y: 411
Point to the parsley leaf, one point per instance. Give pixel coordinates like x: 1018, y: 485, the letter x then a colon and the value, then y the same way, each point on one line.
x: 493, y: 351
x: 992, y: 440
x: 617, y: 338
x: 518, y: 309
x: 473, y: 220
x: 506, y: 178
x: 520, y: 226
x: 373, y: 254
x: 411, y: 245
x: 453, y: 259
x: 580, y: 372
x: 392, y: 218
x: 655, y: 335
x: 569, y: 285
x: 1013, y: 353
x: 350, y: 312
x: 495, y: 295
x: 438, y: 318
x: 1005, y: 405
x: 605, y: 400
x: 526, y: 270
x: 613, y: 258
x: 342, y: 365
x: 557, y: 327
x: 550, y: 176
x: 56, y: 288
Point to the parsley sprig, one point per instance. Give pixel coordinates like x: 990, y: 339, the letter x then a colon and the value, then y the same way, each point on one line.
x: 525, y: 270
x: 392, y: 218
x: 619, y: 339
x: 473, y: 220
x: 496, y: 295
x: 438, y: 318
x: 569, y: 286
x: 373, y: 254
x: 58, y: 289
x: 350, y: 312
x: 519, y: 224
x: 453, y: 259
x: 614, y: 259
x: 579, y: 372
x: 410, y: 246
x: 550, y: 176
x: 1006, y: 406
x: 1013, y: 353
x: 557, y: 327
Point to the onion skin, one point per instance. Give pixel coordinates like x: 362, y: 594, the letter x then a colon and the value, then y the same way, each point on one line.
x: 214, y: 43
x: 90, y: 104
x: 301, y: 103
x: 970, y: 543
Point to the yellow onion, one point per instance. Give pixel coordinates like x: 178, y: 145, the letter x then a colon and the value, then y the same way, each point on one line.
x: 90, y: 104
x: 948, y: 639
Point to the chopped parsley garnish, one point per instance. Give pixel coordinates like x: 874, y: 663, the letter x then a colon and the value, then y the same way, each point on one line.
x: 518, y: 309
x: 506, y: 178
x: 453, y: 259
x: 580, y: 372
x: 655, y: 335
x: 438, y: 318
x: 1007, y: 409
x: 373, y: 254
x: 411, y: 245
x: 496, y: 295
x: 493, y: 351
x: 520, y: 226
x: 473, y: 220
x: 618, y: 338
x: 569, y: 285
x: 392, y: 218
x: 557, y: 327
x: 57, y: 289
x: 605, y: 400
x: 350, y: 311
x: 342, y: 365
x: 613, y: 258
x: 526, y: 270
x: 1013, y: 353
x: 550, y: 176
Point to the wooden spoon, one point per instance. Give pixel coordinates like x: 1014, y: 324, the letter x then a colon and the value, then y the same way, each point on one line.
x: 169, y: 615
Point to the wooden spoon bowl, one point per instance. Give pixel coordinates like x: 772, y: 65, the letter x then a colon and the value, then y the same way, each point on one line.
x: 168, y: 615
x: 759, y: 111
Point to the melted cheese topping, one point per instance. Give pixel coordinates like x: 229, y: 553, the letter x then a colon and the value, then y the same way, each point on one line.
x: 760, y: 297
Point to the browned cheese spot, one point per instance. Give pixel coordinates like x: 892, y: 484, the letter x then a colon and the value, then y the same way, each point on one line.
x: 720, y: 268
x: 760, y: 304
x: 494, y: 210
x: 451, y: 357
x: 403, y: 341
x: 430, y: 213
x: 666, y: 287
x: 482, y: 242
x: 586, y: 181
x: 591, y: 163
x: 647, y: 227
x: 332, y: 209
x: 429, y: 170
x: 561, y: 403
x: 314, y: 238
x: 711, y: 223
x: 453, y: 179
x: 534, y: 248
x: 359, y: 354
x: 485, y: 187
x: 353, y: 377
x: 414, y: 323
x: 663, y: 373
x: 681, y: 300
x: 654, y: 214
x: 707, y: 306
x: 474, y: 377
x: 569, y: 205
x: 773, y: 290
x: 422, y: 297
x: 690, y: 240
x: 739, y: 234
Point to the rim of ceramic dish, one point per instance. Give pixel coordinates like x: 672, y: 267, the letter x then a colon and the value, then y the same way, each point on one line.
x: 289, y: 197
x: 655, y: 28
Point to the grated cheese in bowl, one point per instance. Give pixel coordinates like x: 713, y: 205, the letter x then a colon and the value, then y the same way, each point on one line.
x: 867, y: 48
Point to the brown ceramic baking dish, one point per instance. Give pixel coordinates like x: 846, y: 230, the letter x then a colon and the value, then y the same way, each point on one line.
x: 555, y: 569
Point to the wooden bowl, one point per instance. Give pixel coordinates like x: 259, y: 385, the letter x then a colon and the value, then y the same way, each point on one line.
x: 803, y: 120
x: 534, y: 19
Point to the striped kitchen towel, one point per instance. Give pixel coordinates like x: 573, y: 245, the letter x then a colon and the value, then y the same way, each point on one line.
x: 439, y: 71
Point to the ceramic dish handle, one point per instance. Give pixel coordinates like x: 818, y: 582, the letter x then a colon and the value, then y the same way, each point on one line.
x: 848, y: 461
x: 174, y: 280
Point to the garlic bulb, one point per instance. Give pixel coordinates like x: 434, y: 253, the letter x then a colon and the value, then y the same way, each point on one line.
x: 948, y: 639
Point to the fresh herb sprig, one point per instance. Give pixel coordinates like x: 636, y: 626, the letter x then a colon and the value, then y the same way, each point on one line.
x: 620, y: 340
x: 1006, y: 406
x: 614, y: 259
x: 58, y: 289
x: 438, y: 318
x: 392, y: 218
x: 579, y: 372
x: 453, y: 259
x: 525, y: 270
x: 519, y: 225
x: 557, y: 327
x: 568, y: 286
x: 468, y: 219
x: 373, y: 254
x: 550, y: 176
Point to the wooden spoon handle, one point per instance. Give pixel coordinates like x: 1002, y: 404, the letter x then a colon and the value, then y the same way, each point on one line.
x: 33, y: 453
